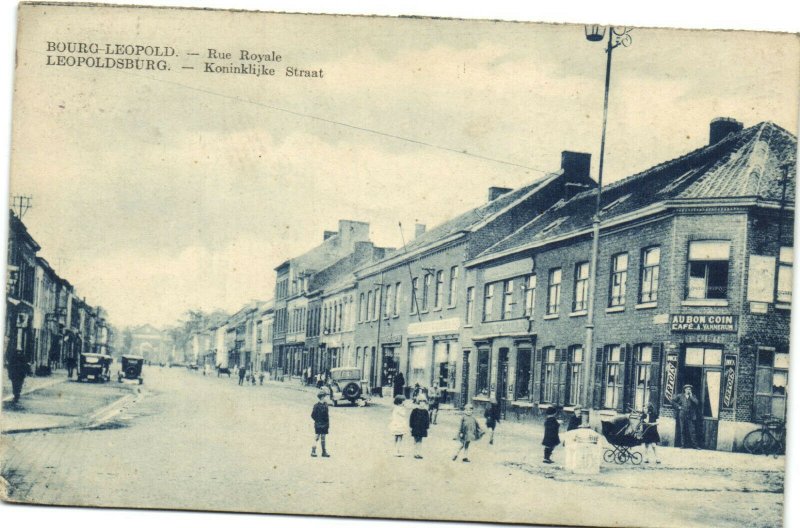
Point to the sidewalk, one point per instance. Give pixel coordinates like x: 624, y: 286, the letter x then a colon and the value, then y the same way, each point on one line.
x: 33, y: 383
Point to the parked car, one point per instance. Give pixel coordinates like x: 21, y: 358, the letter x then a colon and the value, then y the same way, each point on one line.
x: 131, y: 368
x: 345, y: 384
x: 94, y: 367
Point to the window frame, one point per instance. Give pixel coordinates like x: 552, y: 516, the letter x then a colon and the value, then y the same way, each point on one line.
x: 438, y: 291
x: 507, y: 310
x: 470, y: 304
x: 707, y: 264
x: 618, y: 280
x: 453, y: 292
x: 554, y: 291
x: 488, y: 301
x: 580, y: 290
x: 530, y: 295
x: 649, y: 276
x: 618, y: 366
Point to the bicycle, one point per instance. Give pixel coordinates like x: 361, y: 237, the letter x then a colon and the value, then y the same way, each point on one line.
x: 769, y: 439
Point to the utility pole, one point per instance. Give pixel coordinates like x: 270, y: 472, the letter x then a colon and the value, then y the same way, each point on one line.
x: 21, y: 204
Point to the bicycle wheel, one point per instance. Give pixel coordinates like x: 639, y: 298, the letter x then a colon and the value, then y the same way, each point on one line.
x: 608, y: 455
x: 758, y: 442
x: 636, y: 458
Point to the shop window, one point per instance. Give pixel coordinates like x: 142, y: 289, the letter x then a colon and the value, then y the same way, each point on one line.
x: 439, y: 290
x: 772, y: 378
x: 554, y: 291
x: 419, y: 372
x: 451, y: 296
x: 508, y: 298
x: 614, y: 377
x: 644, y: 371
x: 785, y: 261
x: 523, y: 375
x: 581, y: 294
x: 445, y: 357
x: 650, y: 268
x: 708, y: 269
x: 469, y: 305
x: 619, y: 279
x: 530, y: 294
x: 575, y: 374
x: 482, y: 380
x: 488, y: 302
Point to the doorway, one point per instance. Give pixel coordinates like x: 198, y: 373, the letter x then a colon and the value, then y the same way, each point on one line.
x: 702, y: 370
x: 502, y: 380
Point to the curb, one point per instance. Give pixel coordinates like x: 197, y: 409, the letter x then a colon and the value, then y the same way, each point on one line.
x: 34, y: 389
x: 105, y: 414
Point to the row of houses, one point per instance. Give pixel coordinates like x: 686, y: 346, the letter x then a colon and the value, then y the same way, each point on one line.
x: 692, y: 286
x: 46, y: 320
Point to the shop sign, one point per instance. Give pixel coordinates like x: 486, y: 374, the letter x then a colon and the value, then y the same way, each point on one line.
x: 728, y: 397
x: 704, y: 323
x: 671, y: 378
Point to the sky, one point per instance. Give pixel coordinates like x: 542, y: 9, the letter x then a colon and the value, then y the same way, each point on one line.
x: 159, y: 192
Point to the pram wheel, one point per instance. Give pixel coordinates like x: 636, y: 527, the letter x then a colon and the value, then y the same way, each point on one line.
x: 621, y: 457
x: 636, y: 458
x: 608, y: 455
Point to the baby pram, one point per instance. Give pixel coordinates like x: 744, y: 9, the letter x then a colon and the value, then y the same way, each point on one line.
x: 624, y: 433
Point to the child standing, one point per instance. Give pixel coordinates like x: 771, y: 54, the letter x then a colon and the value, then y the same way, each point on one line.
x: 551, y: 439
x: 468, y: 431
x: 321, y: 423
x: 492, y: 415
x: 650, y: 435
x: 419, y: 422
x: 398, y: 426
x: 433, y: 404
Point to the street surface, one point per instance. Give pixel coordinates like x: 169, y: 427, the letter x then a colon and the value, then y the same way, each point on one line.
x: 189, y: 441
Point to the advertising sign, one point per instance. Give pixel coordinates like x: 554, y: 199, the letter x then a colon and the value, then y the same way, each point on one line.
x: 703, y: 323
x: 728, y: 394
x: 671, y: 377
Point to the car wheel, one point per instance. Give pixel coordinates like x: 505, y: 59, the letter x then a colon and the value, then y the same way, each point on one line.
x: 351, y: 391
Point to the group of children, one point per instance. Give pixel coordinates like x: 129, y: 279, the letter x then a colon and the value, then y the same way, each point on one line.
x: 419, y: 421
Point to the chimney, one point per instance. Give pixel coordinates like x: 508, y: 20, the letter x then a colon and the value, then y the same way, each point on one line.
x: 327, y: 234
x: 721, y: 128
x: 575, y: 164
x: 419, y: 229
x: 497, y: 192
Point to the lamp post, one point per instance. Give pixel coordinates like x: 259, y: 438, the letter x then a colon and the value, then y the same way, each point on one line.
x: 616, y: 37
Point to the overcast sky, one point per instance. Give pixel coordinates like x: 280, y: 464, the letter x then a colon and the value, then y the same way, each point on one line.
x: 156, y: 192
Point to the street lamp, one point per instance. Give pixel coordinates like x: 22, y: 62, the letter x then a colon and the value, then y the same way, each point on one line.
x: 616, y: 37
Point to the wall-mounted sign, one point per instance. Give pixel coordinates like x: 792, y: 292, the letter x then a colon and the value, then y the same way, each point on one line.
x: 728, y: 394
x: 671, y: 377
x: 703, y: 323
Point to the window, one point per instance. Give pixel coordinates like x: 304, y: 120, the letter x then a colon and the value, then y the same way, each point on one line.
x: 482, y: 380
x: 575, y: 370
x: 530, y: 294
x: 550, y: 378
x: 698, y: 356
x: 470, y: 303
x: 708, y: 270
x: 414, y: 290
x: 644, y: 363
x: 772, y: 377
x: 488, y: 294
x: 362, y: 308
x: 619, y: 277
x: 650, y: 265
x: 397, y: 298
x: 426, y: 288
x: 508, y: 298
x: 581, y: 297
x: 389, y: 299
x: 369, y: 306
x: 451, y: 296
x: 554, y: 291
x: 523, y: 377
x: 376, y: 307
x: 785, y: 261
x: 439, y: 291
x: 613, y: 378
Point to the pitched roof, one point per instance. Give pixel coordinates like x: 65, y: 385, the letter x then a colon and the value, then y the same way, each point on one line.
x: 748, y: 164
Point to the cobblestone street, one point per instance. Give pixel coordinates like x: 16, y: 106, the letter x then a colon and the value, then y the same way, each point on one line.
x: 195, y: 442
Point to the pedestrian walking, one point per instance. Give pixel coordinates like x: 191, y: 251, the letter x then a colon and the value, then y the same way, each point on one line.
x: 492, y: 415
x: 469, y: 430
x: 319, y: 413
x: 18, y: 368
x: 399, y: 384
x: 433, y: 403
x: 687, y: 406
x: 551, y: 439
x: 261, y: 378
x: 242, y: 374
x: 419, y: 421
x: 650, y: 435
x: 70, y: 366
x: 398, y: 425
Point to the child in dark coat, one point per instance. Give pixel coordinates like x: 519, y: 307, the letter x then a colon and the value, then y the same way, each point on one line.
x: 551, y: 439
x: 419, y: 422
x: 321, y: 423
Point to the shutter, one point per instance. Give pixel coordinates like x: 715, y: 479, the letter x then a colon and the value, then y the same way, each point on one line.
x: 655, y: 376
x: 628, y: 378
x: 536, y: 393
x: 599, y: 363
x: 562, y: 377
x: 567, y: 378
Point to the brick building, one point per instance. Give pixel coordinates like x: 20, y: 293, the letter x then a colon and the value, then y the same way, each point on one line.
x: 693, y: 287
x: 413, y: 306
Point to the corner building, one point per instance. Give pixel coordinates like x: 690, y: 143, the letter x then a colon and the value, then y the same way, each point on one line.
x: 693, y: 286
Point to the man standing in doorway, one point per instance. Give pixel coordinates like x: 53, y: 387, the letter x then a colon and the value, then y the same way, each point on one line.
x: 687, y: 408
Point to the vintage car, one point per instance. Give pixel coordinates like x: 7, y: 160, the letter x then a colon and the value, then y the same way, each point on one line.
x: 94, y: 367
x: 131, y: 368
x: 345, y: 384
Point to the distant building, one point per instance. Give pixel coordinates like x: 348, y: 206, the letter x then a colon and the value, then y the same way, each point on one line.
x: 152, y: 344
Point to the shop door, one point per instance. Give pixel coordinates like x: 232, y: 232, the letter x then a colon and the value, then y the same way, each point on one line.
x: 703, y: 371
x: 502, y: 380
